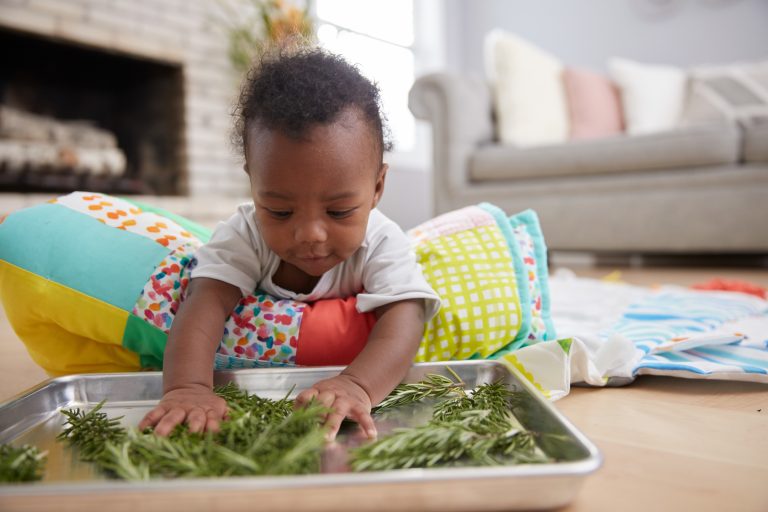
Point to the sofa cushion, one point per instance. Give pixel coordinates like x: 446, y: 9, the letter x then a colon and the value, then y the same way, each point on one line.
x: 528, y: 91
x: 652, y: 95
x: 701, y: 145
x: 594, y: 104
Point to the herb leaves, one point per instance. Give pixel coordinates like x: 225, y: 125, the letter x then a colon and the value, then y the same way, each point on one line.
x: 260, y: 437
x: 21, y: 464
x: 476, y: 429
x: 270, y: 437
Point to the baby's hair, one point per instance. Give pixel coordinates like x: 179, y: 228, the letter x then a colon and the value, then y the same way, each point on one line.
x: 292, y: 90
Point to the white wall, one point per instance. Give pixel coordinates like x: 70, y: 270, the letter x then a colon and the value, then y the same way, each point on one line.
x: 407, y: 199
x: 588, y: 32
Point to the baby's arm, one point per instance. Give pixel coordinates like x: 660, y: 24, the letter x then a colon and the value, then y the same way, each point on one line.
x: 376, y: 371
x: 188, y: 362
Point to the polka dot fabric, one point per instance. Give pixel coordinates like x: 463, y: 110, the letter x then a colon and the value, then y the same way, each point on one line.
x: 538, y: 328
x: 262, y: 331
x: 159, y: 299
x: 533, y: 252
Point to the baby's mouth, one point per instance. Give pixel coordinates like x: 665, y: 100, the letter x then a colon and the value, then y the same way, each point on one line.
x: 313, y: 257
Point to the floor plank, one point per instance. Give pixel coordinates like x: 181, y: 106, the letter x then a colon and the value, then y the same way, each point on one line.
x: 18, y: 372
x: 651, y: 479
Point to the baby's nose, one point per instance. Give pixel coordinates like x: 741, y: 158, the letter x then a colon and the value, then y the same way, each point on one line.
x: 311, y: 232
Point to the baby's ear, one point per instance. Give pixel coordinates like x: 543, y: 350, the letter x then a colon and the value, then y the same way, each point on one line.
x: 380, y: 179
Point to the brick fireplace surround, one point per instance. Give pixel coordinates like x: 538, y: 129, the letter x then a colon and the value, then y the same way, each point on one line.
x: 188, y: 34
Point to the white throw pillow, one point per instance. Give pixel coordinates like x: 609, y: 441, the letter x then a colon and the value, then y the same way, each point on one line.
x: 652, y: 95
x: 528, y: 91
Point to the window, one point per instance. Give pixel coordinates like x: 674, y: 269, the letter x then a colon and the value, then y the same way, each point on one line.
x: 380, y: 37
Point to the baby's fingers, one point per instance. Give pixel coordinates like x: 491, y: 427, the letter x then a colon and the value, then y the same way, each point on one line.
x: 357, y: 413
x: 169, y: 421
x: 152, y: 417
x: 305, y: 397
x: 333, y: 424
x: 196, y: 420
x: 327, y: 398
x: 364, y: 420
x: 213, y: 422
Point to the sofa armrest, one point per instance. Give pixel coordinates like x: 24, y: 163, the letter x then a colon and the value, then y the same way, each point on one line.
x: 755, y: 137
x: 461, y: 113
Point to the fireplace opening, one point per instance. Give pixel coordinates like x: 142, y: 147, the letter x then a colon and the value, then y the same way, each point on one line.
x: 76, y: 117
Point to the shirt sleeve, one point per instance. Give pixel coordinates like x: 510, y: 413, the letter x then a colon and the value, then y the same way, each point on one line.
x: 391, y: 273
x: 232, y: 254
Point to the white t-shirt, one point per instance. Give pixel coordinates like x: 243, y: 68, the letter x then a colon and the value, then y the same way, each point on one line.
x: 382, y: 271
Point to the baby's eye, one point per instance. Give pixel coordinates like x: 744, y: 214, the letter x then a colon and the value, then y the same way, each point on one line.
x: 340, y: 214
x: 279, y: 214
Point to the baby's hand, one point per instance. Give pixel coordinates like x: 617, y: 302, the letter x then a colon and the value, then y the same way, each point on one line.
x: 347, y: 398
x: 198, y: 406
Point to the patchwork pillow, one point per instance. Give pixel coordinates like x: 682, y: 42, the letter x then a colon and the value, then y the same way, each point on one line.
x: 652, y: 95
x: 466, y: 258
x: 91, y: 283
x: 594, y: 104
x: 528, y: 91
x: 71, y: 271
x: 527, y: 241
x: 528, y: 234
x: 491, y: 272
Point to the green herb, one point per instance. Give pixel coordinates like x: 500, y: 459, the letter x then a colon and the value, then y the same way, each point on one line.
x: 476, y: 429
x: 260, y: 437
x: 433, y: 386
x: 118, y: 461
x: 91, y: 431
x: 268, y: 437
x: 494, y: 397
x: 21, y: 464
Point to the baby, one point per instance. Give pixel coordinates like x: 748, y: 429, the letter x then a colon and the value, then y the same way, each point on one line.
x: 313, y: 140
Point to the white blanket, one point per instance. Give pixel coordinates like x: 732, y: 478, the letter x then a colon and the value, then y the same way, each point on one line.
x: 608, y: 333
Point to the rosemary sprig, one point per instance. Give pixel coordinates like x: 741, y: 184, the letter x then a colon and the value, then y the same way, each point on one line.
x: 261, y: 436
x: 239, y: 399
x: 293, y: 445
x: 117, y: 461
x: 494, y: 397
x: 469, y: 440
x: 268, y: 437
x: 476, y: 429
x: 91, y: 431
x: 433, y: 386
x: 21, y: 464
x: 249, y: 415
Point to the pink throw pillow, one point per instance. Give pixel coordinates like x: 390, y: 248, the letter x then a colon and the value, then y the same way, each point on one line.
x: 594, y: 104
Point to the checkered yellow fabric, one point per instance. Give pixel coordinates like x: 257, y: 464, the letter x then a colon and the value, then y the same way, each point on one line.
x: 473, y: 272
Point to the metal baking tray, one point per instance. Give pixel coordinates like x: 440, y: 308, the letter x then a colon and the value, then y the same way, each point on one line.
x: 33, y: 417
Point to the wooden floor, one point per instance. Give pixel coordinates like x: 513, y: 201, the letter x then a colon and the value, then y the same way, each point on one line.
x: 668, y: 444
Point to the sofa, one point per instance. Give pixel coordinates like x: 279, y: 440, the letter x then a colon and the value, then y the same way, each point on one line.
x: 701, y: 188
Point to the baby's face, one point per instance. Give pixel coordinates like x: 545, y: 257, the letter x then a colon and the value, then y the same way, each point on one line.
x: 313, y: 196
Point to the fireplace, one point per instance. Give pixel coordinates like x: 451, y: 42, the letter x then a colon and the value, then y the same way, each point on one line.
x: 91, y: 119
